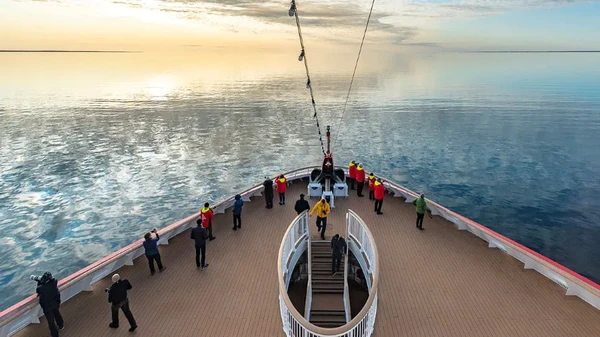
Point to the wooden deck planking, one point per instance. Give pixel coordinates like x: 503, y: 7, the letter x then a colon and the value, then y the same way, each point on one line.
x: 438, y: 282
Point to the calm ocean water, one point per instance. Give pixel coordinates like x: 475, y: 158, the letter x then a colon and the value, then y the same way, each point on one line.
x: 95, y: 150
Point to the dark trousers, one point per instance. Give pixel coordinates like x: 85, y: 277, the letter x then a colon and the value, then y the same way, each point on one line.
x: 125, y: 307
x: 209, y: 230
x: 269, y: 200
x: 335, y: 263
x: 420, y: 217
x: 54, y: 318
x: 378, y: 204
x: 237, y: 221
x: 200, y: 249
x: 282, y: 198
x: 371, y: 195
x: 151, y: 259
x: 351, y: 181
x: 359, y: 188
x: 322, y: 226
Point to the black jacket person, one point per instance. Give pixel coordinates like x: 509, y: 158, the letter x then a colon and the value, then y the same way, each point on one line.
x: 199, y: 235
x: 49, y: 295
x: 338, y: 248
x: 301, y: 205
x: 268, y: 184
x: 117, y: 297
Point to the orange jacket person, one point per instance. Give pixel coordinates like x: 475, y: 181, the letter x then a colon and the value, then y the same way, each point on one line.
x: 207, y: 214
x: 281, y: 186
x: 360, y: 180
x: 379, y: 192
x: 372, y: 186
x: 352, y: 174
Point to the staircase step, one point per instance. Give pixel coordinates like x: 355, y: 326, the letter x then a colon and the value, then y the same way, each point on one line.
x: 326, y: 273
x: 327, y: 320
x: 319, y: 317
x: 328, y: 325
x: 326, y: 268
x: 328, y: 291
x: 328, y: 279
x: 327, y: 312
x: 328, y: 286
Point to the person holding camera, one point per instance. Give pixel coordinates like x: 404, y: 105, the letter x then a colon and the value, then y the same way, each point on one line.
x: 47, y: 291
x: 152, y: 253
x: 117, y: 297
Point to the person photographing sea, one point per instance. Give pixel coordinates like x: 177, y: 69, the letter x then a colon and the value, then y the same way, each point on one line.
x: 152, y: 253
x: 49, y: 294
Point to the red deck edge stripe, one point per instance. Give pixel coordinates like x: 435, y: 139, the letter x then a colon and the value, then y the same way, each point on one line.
x: 31, y: 300
x: 136, y: 244
x: 510, y: 241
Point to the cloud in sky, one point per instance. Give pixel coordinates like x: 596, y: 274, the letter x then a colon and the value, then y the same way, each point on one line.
x: 394, y: 22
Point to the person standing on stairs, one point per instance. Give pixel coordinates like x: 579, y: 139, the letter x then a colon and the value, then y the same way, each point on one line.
x: 421, y: 205
x: 301, y: 205
x: 379, y: 193
x: 199, y: 236
x: 371, y: 186
x: 322, y: 208
x: 281, y: 187
x: 207, y: 214
x: 268, y: 185
x: 338, y: 248
x: 360, y: 180
x: 151, y: 250
x: 237, y: 212
x: 352, y: 174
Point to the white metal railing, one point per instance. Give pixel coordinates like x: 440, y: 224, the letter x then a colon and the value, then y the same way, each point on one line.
x: 295, y: 324
x: 574, y: 283
x: 28, y: 311
x: 308, y: 301
x: 346, y: 288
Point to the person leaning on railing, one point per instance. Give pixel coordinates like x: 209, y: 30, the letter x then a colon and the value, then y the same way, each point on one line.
x: 379, y: 192
x: 421, y: 206
x: 47, y: 290
x: 268, y: 185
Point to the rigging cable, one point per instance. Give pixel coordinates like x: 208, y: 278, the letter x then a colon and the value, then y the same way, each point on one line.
x: 293, y: 12
x: 354, y: 72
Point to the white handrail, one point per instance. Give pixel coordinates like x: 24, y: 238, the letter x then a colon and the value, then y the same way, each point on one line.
x: 574, y: 283
x: 295, y: 324
x: 308, y: 302
x: 346, y: 288
x: 28, y: 311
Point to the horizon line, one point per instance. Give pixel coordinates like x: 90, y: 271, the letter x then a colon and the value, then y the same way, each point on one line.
x: 531, y: 51
x: 66, y: 51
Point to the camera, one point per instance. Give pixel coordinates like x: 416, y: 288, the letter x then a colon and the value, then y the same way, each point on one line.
x: 36, y: 278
